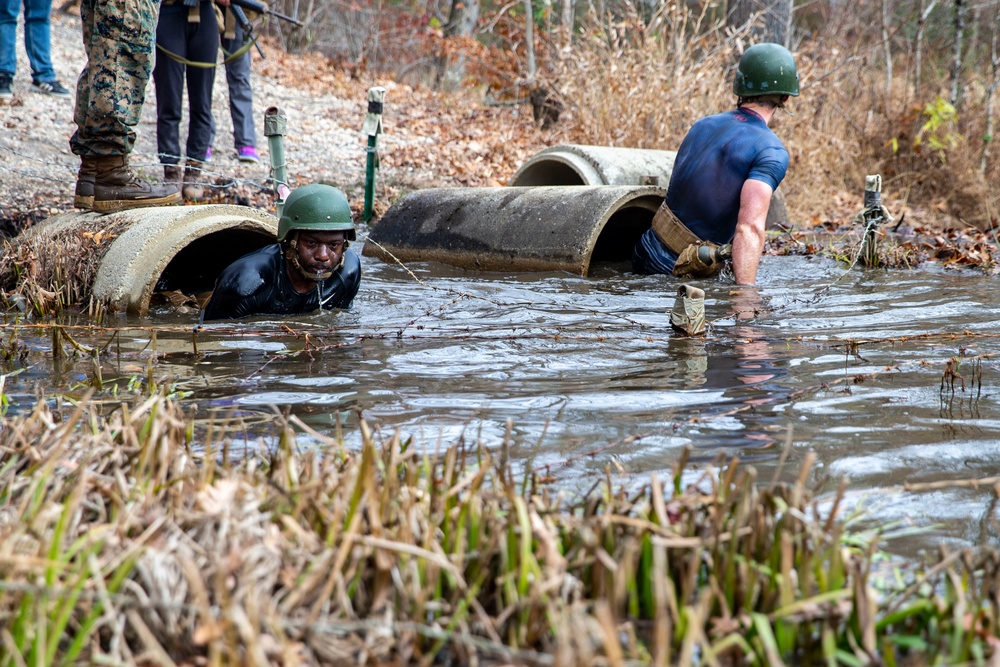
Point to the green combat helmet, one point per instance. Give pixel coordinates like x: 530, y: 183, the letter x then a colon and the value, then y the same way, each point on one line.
x: 316, y: 207
x: 766, y: 69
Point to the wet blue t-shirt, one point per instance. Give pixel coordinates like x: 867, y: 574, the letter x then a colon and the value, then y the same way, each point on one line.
x: 717, y: 156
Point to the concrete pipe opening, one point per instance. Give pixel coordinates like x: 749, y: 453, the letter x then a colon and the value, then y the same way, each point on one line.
x: 196, y: 267
x: 575, y: 164
x: 556, y: 228
x: 177, y: 248
x: 120, y: 259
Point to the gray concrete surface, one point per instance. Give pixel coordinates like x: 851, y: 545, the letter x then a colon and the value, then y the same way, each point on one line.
x: 138, y: 258
x: 575, y: 164
x: 555, y: 228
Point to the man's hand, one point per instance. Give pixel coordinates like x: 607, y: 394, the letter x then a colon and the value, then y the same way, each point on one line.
x: 748, y: 243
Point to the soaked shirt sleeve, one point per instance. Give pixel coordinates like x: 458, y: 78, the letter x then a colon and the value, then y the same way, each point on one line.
x: 770, y: 166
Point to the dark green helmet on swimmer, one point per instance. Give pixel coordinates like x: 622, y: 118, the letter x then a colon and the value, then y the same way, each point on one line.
x: 316, y: 207
x: 766, y: 69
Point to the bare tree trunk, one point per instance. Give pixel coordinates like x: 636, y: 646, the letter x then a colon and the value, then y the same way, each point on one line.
x: 887, y: 47
x: 925, y: 12
x: 567, y: 21
x: 783, y: 21
x: 769, y: 20
x: 529, y: 40
x: 956, y: 69
x: 972, y: 43
x: 462, y: 20
x: 984, y: 163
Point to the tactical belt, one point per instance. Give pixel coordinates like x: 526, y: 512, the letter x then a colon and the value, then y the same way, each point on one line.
x: 674, y: 234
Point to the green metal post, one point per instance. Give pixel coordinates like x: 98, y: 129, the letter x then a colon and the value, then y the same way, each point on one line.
x: 275, y: 126
x: 372, y: 128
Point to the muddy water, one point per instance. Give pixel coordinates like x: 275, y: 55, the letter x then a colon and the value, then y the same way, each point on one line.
x: 586, y: 374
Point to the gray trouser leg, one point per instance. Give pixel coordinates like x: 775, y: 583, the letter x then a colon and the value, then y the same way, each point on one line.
x: 240, y: 93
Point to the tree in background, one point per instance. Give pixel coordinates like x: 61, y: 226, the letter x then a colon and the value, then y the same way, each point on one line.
x: 461, y: 25
x: 901, y: 87
x: 767, y: 20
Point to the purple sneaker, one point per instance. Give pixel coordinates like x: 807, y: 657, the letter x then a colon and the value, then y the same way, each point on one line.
x: 247, y: 154
x: 208, y: 154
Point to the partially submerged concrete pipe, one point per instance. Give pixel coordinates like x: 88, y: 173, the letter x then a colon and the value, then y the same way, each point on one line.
x: 574, y: 164
x: 558, y: 228
x: 177, y: 248
x: 164, y: 248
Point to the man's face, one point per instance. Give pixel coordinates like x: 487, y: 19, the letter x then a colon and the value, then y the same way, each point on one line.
x: 320, y: 252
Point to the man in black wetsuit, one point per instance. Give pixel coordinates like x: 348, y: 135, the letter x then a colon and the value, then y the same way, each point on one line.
x: 309, y: 267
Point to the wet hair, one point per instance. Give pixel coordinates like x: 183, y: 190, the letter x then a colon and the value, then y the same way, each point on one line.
x: 776, y: 101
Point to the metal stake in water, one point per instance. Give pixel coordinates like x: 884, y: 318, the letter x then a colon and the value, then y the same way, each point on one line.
x: 873, y: 218
x: 372, y: 128
x: 275, y: 126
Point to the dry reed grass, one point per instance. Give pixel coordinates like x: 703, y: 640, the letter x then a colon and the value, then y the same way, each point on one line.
x: 128, y: 538
x: 642, y: 82
x: 54, y: 265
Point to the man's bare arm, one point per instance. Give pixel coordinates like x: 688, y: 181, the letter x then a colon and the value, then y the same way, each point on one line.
x: 748, y: 243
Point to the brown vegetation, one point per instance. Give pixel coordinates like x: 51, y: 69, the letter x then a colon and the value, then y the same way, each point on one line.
x: 638, y: 74
x: 130, y: 536
x: 50, y: 266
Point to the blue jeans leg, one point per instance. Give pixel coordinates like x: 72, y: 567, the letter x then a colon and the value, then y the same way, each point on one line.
x: 37, y: 39
x: 9, y: 9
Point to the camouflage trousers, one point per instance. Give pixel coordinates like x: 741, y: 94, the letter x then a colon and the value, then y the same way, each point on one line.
x: 119, y: 37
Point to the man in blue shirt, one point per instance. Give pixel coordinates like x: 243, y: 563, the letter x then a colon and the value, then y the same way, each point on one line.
x: 726, y: 169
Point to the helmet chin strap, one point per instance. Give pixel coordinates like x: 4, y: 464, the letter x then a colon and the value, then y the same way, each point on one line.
x: 292, y: 255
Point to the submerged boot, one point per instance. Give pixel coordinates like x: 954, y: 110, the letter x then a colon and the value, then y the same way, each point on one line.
x: 192, y: 189
x: 688, y: 315
x: 117, y: 187
x: 83, y: 196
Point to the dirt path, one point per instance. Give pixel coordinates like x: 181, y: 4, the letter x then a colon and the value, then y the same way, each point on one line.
x: 428, y: 141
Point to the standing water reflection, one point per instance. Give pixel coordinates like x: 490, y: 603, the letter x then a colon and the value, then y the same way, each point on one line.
x: 588, y: 373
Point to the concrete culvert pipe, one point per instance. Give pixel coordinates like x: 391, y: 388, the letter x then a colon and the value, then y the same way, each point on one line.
x: 555, y: 228
x: 574, y: 164
x: 128, y: 255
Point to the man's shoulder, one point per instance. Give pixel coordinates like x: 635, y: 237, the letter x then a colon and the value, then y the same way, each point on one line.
x: 723, y: 117
x: 714, y: 127
x: 245, y: 284
x: 251, y: 271
x: 351, y: 270
x: 261, y: 259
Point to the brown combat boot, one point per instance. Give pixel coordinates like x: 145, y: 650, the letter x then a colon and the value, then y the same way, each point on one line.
x: 117, y: 187
x: 192, y: 189
x: 83, y: 196
x: 172, y: 175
